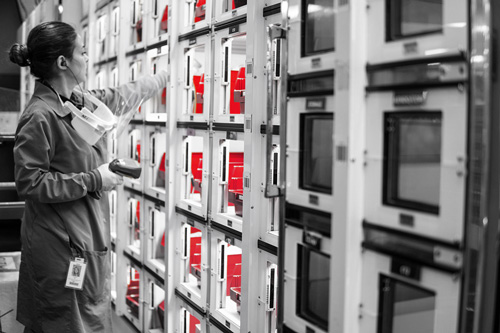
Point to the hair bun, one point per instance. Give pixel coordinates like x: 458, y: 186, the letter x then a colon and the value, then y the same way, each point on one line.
x: 19, y: 55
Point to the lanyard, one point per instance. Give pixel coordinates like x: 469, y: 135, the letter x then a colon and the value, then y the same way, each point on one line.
x: 61, y: 98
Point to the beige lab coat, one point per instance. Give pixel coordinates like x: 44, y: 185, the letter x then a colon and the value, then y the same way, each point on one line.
x: 63, y: 218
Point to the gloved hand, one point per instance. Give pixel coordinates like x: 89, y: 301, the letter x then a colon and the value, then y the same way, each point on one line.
x: 109, y: 178
x: 132, y: 95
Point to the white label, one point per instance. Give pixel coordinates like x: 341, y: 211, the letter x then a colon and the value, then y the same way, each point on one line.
x: 76, y: 274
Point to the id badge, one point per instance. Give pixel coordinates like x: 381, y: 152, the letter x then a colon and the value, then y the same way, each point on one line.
x: 76, y: 273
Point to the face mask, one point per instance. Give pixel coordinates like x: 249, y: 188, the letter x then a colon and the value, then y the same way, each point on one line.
x: 92, y: 125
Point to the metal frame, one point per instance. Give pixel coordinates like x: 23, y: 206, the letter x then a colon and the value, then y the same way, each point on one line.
x: 480, y: 281
x: 452, y: 39
x: 154, y: 32
x: 153, y: 289
x: 225, y: 53
x: 218, y: 313
x: 199, y: 208
x: 133, y: 201
x: 151, y: 167
x: 446, y: 225
x: 153, y: 236
x: 292, y: 274
x: 155, y: 109
x: 299, y: 63
x: 295, y: 193
x: 231, y: 142
x: 196, y: 293
x: 134, y: 137
x: 446, y: 286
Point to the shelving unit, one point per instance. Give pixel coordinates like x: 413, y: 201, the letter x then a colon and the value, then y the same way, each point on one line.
x: 185, y: 230
x: 11, y: 207
x: 272, y: 169
x: 176, y: 228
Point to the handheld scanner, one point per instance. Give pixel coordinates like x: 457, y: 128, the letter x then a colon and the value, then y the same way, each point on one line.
x: 126, y: 167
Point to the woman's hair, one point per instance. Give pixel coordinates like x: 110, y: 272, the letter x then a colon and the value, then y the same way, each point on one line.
x: 46, y: 42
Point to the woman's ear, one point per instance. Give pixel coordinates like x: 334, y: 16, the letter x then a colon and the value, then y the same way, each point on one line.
x: 61, y: 62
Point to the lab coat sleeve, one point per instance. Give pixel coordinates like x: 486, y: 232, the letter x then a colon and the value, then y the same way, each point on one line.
x: 128, y: 97
x: 34, y: 178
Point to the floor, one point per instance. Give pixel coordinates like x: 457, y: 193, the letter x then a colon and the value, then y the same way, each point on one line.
x: 8, y: 293
x: 122, y: 325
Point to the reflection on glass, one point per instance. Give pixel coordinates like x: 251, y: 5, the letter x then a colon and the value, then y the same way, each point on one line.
x: 133, y: 291
x: 199, y: 10
x: 134, y: 224
x: 311, y: 85
x: 192, y: 169
x: 136, y: 21
x: 194, y: 269
x: 112, y: 211
x: 405, y: 308
x: 156, y: 239
x: 415, y: 17
x: 313, y: 285
x: 232, y: 96
x: 420, y: 157
x: 136, y: 218
x: 318, y: 23
x: 156, y: 300
x: 410, y: 74
x: 406, y: 246
x: 189, y: 323
x: 194, y: 80
x: 413, y: 160
x: 317, y: 284
x: 316, y: 145
x: 228, y: 286
x: 230, y: 5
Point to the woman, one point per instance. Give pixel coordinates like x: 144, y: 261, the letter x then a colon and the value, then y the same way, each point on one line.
x: 61, y: 177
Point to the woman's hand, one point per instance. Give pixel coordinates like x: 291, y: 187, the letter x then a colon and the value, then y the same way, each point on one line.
x: 109, y: 178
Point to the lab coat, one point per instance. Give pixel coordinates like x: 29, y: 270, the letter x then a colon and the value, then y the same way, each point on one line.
x: 62, y: 218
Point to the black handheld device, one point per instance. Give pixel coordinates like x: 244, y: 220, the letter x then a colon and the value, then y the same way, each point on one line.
x: 126, y: 167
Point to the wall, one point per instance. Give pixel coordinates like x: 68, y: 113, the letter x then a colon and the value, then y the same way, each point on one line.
x: 9, y: 23
x: 72, y: 14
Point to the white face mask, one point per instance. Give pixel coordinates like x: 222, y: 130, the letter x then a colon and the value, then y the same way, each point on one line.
x: 92, y: 125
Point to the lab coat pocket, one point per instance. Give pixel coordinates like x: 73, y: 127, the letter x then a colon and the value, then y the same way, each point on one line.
x: 96, y: 283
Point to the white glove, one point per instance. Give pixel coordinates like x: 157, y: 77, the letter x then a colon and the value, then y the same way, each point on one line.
x: 109, y: 178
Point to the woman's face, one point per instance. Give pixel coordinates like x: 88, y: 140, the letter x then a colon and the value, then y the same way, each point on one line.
x: 78, y: 63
